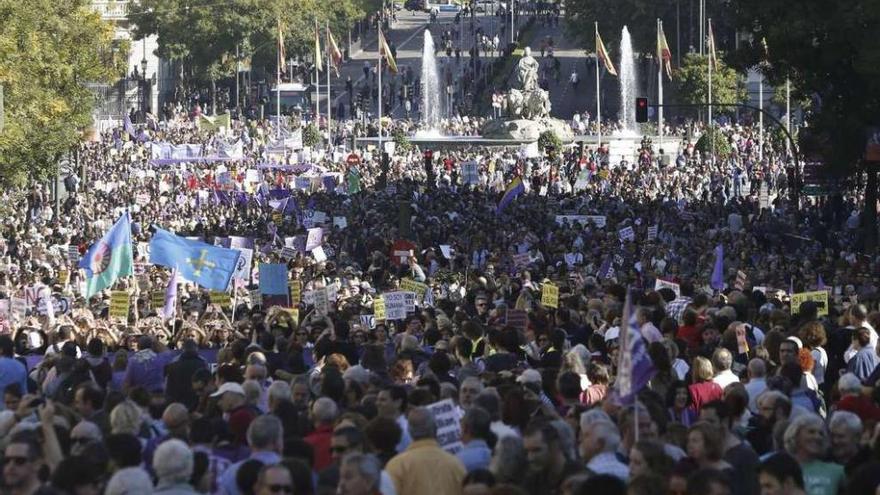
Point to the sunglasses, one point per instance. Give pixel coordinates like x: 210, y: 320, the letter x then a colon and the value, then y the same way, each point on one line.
x: 281, y: 488
x: 19, y: 461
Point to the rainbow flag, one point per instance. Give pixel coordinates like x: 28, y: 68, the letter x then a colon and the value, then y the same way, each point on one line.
x: 514, y: 189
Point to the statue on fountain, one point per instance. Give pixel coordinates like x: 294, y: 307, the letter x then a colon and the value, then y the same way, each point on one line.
x: 528, y: 108
x: 528, y: 101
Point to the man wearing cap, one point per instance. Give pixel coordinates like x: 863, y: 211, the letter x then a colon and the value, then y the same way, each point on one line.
x: 234, y: 405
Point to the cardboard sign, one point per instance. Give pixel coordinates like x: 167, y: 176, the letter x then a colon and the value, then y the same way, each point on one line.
x: 819, y: 297
x: 652, y: 232
x: 119, y: 304
x: 379, y: 309
x: 340, y: 222
x: 741, y: 279
x: 315, y: 238
x: 368, y: 321
x: 157, y: 299
x: 470, y: 174
x: 288, y: 253
x: 521, y: 261
x: 411, y: 285
x: 221, y: 298
x: 72, y: 254
x: 550, y: 295
x: 627, y: 234
x: 665, y: 284
x: 294, y: 315
x: 295, y: 291
x: 446, y: 418
x: 322, y: 303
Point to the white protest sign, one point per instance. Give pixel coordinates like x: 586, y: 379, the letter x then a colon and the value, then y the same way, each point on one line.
x: 447, y: 421
x: 368, y: 321
x: 288, y: 252
x: 597, y: 220
x: 446, y: 249
x: 314, y: 239
x: 665, y: 284
x: 627, y: 234
x: 652, y: 232
x: 340, y: 222
x: 322, y: 302
x: 410, y: 298
x: 18, y: 307
x: 319, y: 254
x: 395, y: 305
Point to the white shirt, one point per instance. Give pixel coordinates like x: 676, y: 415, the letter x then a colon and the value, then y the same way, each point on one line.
x: 725, y: 378
x: 820, y: 357
x: 872, y: 342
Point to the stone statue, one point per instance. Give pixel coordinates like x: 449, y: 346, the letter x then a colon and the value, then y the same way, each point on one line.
x: 527, y: 71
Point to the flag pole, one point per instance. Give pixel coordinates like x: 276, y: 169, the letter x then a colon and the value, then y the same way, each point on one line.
x: 329, y: 103
x: 317, y: 81
x: 379, y: 71
x: 278, y: 82
x: 598, y: 96
x: 761, y: 118
x: 710, y: 50
x: 660, y: 83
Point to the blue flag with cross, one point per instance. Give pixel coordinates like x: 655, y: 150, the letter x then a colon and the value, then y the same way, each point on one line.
x: 209, y: 266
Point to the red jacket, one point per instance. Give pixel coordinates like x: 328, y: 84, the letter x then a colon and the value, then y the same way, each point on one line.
x: 320, y: 442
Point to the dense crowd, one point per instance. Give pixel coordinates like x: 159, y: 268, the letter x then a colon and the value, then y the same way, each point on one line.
x: 663, y: 365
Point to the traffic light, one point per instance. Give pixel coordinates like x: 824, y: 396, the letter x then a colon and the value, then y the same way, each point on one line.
x: 641, y: 110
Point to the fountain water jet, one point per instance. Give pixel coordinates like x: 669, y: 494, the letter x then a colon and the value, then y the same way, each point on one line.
x: 627, y: 84
x: 431, y: 110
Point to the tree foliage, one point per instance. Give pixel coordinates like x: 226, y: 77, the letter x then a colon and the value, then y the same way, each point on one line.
x: 640, y: 16
x: 311, y: 136
x: 714, y: 136
x: 691, y: 81
x: 549, y: 139
x: 830, y: 52
x: 204, y: 36
x: 48, y: 51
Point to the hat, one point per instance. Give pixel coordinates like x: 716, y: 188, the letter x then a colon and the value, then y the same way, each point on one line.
x: 529, y: 376
x: 358, y: 374
x: 612, y: 333
x: 231, y: 387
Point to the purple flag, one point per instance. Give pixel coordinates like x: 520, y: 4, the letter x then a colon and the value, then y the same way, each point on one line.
x: 717, y: 281
x: 791, y: 285
x: 129, y: 127
x: 635, y: 368
x: 821, y: 283
x: 170, y: 297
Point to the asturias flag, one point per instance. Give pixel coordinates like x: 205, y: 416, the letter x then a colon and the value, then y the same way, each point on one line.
x: 109, y: 258
x: 209, y: 266
x: 514, y: 189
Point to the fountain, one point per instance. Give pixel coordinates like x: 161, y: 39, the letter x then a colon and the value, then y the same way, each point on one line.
x: 627, y: 84
x: 431, y: 110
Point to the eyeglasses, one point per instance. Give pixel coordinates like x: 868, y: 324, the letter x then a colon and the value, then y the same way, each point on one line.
x: 281, y: 488
x: 339, y: 449
x: 19, y: 461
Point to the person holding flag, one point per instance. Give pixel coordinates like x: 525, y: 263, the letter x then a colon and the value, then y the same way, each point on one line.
x: 664, y: 61
x: 110, y: 258
x: 514, y: 189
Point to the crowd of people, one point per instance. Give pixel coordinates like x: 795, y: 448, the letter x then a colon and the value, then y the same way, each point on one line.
x: 586, y: 336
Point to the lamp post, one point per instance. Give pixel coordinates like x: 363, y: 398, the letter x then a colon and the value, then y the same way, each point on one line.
x: 144, y: 83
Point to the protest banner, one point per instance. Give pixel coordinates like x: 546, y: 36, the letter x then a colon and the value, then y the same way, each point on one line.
x: 470, y: 174
x: 550, y: 295
x: 157, y: 299
x: 119, y: 304
x: 244, y: 263
x: 627, y: 234
x: 448, y: 423
x: 322, y: 304
x: 517, y: 318
x: 652, y: 232
x: 741, y: 279
x: 819, y: 297
x: 597, y: 220
x: 295, y: 291
x: 368, y: 321
x: 521, y: 261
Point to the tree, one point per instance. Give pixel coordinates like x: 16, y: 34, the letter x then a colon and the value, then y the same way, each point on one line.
x: 311, y: 136
x: 829, y: 51
x: 204, y: 37
x: 640, y: 17
x: 549, y: 139
x: 48, y: 51
x: 713, y: 140
x: 691, y: 82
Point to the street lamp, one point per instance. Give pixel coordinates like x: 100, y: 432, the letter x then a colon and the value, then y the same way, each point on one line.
x: 144, y: 83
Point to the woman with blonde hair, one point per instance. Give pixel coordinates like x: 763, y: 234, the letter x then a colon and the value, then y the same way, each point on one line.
x: 703, y: 390
x: 126, y: 417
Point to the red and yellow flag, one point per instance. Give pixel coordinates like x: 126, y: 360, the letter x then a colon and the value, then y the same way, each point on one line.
x: 333, y: 50
x: 664, y: 54
x: 602, y: 53
x: 710, y: 44
x: 384, y: 51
